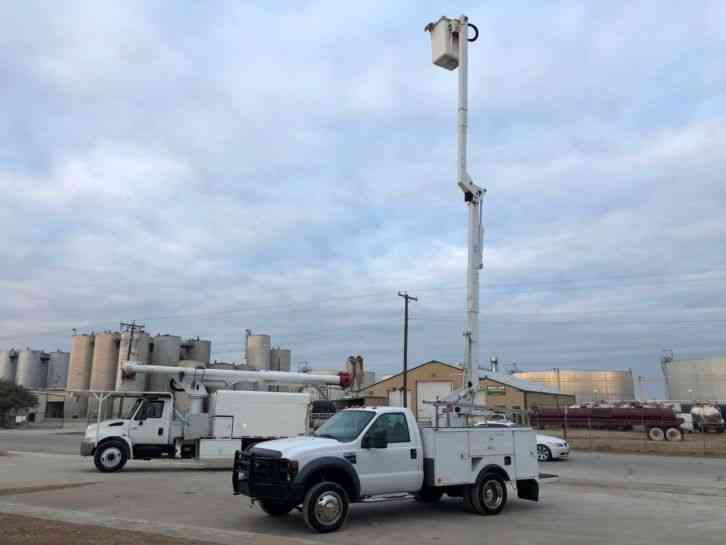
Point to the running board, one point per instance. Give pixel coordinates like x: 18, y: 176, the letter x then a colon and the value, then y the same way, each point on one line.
x: 387, y: 497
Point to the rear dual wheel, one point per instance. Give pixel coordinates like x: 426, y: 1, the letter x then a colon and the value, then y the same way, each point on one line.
x: 487, y: 496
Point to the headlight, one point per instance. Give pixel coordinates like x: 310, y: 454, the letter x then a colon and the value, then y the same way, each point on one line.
x: 562, y: 445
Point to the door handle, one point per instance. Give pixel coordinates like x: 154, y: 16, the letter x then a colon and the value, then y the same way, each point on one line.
x: 160, y: 432
x: 414, y: 454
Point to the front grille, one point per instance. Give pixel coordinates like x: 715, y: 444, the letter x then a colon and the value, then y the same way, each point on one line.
x: 259, y: 469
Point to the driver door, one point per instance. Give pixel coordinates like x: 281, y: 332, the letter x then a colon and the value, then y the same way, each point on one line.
x: 150, y: 423
x: 396, y: 468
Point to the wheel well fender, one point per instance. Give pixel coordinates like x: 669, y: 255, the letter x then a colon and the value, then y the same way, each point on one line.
x: 493, y: 468
x: 123, y: 440
x: 334, y: 469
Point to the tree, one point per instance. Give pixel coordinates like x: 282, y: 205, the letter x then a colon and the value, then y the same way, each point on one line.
x: 14, y: 398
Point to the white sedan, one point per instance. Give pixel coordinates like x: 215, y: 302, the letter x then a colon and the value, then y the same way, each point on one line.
x: 549, y: 447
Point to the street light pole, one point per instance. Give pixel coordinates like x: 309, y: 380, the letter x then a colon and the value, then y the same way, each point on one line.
x: 406, y: 298
x: 450, y: 41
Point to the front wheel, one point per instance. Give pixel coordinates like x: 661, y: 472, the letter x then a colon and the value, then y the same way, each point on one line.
x: 544, y: 454
x: 673, y: 434
x: 326, y: 507
x: 110, y: 457
x: 275, y: 509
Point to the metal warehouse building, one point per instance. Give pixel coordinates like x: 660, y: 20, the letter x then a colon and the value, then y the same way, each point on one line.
x: 436, y: 379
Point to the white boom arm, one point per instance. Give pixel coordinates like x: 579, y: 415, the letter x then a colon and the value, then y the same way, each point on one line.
x: 217, y: 375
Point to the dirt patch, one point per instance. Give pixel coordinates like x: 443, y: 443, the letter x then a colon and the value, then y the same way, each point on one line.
x: 21, y: 530
x: 39, y: 488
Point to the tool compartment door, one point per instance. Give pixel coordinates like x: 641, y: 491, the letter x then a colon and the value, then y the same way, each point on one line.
x: 449, y: 449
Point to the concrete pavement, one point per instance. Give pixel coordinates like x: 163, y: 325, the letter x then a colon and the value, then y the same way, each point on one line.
x: 600, y: 499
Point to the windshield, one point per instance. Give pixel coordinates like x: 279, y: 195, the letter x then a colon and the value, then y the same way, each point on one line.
x: 345, y: 426
x: 135, y: 406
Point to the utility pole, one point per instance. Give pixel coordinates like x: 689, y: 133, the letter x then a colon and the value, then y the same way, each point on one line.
x: 406, y: 299
x: 449, y: 46
x: 131, y: 328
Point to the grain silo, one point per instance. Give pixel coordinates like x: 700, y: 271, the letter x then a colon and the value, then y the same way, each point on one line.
x: 280, y: 359
x: 197, y: 350
x: 32, y: 369
x: 8, y: 365
x: 695, y: 379
x: 79, y: 375
x: 58, y: 363
x: 166, y: 350
x: 105, y: 361
x: 140, y: 351
x: 586, y: 385
x: 258, y: 351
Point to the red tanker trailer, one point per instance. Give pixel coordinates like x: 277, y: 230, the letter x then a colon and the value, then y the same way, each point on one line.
x: 658, y: 422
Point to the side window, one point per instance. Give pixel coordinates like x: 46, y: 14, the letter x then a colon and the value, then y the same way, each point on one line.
x: 151, y: 409
x: 155, y: 409
x: 395, y: 426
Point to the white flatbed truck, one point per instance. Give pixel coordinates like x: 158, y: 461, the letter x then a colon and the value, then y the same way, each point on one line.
x: 373, y: 453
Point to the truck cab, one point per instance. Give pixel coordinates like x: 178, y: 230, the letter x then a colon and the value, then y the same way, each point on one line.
x: 145, y: 432
x: 365, y: 453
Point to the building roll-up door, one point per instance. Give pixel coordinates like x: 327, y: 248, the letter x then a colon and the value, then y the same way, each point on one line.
x: 430, y: 391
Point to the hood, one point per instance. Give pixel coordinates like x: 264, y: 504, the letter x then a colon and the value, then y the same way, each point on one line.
x: 293, y: 446
x: 545, y: 439
x: 114, y: 424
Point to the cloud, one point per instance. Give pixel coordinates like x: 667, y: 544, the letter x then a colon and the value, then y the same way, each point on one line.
x: 290, y: 168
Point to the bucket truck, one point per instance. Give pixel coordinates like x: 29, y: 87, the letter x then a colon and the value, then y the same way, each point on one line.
x: 198, y: 419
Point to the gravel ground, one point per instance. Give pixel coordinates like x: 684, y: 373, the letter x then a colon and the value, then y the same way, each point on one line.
x: 21, y: 530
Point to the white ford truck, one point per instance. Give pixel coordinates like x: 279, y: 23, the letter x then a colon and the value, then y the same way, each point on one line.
x: 361, y: 454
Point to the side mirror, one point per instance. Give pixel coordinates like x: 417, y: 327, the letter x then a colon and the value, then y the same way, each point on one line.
x: 376, y: 439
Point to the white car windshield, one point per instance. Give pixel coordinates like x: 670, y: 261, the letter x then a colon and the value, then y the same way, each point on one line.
x: 345, y: 426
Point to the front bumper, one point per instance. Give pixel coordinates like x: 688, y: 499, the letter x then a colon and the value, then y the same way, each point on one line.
x: 262, y: 478
x: 87, y: 448
x: 559, y: 452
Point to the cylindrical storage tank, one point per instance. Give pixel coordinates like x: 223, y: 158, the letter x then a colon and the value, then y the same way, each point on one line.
x: 197, y: 350
x: 58, y: 370
x: 280, y: 359
x: 32, y: 369
x: 166, y: 350
x: 8, y: 365
x: 140, y: 352
x: 696, y: 380
x: 79, y: 375
x: 258, y: 351
x: 105, y: 361
x: 586, y: 385
x: 104, y: 368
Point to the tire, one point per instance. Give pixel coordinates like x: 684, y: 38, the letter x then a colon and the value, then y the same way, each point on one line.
x: 673, y: 434
x: 111, y: 456
x: 544, y: 454
x: 275, y: 508
x: 326, y: 507
x: 489, y: 495
x: 656, y: 434
x: 468, y: 497
x: 428, y: 495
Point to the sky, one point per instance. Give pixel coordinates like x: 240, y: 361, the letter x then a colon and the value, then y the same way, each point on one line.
x: 288, y: 167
